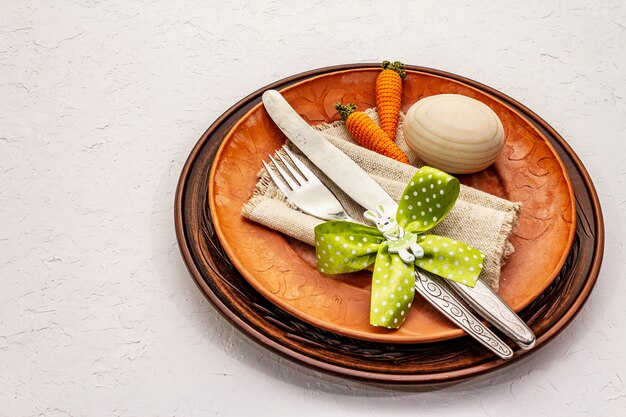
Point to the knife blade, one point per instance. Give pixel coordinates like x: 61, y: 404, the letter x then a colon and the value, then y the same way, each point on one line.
x: 337, y: 166
x: 344, y: 172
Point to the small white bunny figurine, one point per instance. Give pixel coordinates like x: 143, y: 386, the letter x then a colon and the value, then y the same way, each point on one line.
x: 404, y: 244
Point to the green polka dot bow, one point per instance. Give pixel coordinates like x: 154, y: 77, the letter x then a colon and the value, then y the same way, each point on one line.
x: 399, y: 245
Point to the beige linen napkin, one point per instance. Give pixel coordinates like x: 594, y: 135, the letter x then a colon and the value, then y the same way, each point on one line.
x: 478, y: 219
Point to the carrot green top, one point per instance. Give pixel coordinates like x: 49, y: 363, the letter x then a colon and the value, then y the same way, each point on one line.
x: 345, y: 111
x: 396, y: 66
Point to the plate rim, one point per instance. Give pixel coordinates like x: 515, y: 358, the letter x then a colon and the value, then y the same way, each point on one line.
x: 427, y: 378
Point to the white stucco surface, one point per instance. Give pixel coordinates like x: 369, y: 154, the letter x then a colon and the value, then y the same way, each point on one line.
x: 102, y: 101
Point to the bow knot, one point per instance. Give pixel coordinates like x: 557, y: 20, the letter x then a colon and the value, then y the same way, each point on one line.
x: 399, y: 244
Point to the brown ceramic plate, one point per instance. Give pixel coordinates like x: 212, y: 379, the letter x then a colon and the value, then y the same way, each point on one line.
x: 284, y: 271
x: 424, y: 363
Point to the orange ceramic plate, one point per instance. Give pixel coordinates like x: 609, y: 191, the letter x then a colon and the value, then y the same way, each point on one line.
x: 528, y: 170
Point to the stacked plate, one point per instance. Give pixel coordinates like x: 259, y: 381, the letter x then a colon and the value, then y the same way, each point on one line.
x: 267, y: 285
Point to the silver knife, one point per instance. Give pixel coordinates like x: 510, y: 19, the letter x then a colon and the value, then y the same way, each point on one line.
x: 344, y: 172
x: 493, y: 308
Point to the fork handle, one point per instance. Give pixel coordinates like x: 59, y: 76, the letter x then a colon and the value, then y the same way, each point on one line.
x: 436, y: 294
x: 489, y: 305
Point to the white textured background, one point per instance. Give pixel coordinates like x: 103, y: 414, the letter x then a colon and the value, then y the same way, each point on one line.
x: 100, y: 104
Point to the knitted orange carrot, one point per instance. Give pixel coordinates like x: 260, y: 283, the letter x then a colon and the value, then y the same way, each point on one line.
x: 389, y: 96
x: 367, y: 133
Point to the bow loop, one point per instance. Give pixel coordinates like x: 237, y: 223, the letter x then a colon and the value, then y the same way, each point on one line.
x: 343, y: 247
x: 427, y: 200
x: 450, y: 259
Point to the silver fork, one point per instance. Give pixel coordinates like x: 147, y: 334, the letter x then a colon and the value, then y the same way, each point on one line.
x: 307, y: 192
x: 302, y: 187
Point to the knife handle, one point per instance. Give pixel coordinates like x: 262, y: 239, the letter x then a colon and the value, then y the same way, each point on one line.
x: 489, y: 305
x: 437, y: 295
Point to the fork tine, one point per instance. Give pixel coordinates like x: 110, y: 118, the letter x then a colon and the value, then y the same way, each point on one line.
x: 286, y: 178
x: 292, y: 169
x: 282, y: 186
x: 312, y: 196
x: 306, y: 172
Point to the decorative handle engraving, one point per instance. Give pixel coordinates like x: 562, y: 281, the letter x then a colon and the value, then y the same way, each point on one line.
x: 437, y: 295
x: 489, y: 304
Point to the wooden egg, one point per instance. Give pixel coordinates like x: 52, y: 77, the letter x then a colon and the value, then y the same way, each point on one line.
x: 454, y: 133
